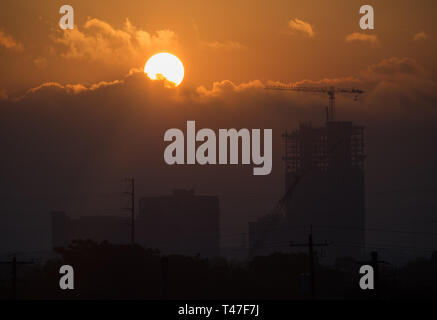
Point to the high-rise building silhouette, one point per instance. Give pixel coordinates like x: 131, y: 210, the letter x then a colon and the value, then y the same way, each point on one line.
x: 180, y: 223
x: 324, y: 183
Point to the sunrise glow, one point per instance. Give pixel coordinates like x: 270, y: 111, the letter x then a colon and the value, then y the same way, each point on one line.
x: 165, y: 66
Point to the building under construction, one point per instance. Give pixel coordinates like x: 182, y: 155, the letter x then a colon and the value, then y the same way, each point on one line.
x: 324, y: 183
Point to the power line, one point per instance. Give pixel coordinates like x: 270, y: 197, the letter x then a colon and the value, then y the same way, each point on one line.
x: 311, y: 246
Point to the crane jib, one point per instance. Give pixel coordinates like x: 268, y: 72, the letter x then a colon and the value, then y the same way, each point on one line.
x: 331, y: 91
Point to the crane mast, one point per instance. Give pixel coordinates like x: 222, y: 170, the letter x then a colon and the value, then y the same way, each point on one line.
x: 278, y: 210
x: 331, y: 91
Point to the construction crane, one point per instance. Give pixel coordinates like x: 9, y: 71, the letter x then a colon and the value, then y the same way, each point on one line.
x: 331, y: 91
x: 278, y: 211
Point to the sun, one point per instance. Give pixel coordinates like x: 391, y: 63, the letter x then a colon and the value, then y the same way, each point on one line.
x: 165, y: 66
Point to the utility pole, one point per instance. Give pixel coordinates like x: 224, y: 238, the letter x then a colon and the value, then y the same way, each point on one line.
x: 131, y: 193
x: 311, y: 246
x: 164, y: 270
x: 374, y: 263
x: 14, y: 263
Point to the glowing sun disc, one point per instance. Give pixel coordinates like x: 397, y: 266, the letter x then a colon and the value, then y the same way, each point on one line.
x: 165, y: 66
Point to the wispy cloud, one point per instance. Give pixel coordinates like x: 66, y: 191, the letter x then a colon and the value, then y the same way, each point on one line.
x: 420, y: 36
x: 97, y: 40
x: 72, y: 88
x: 3, y: 94
x: 356, y: 36
x: 227, y: 45
x: 9, y: 42
x: 394, y: 68
x: 40, y: 63
x: 301, y: 26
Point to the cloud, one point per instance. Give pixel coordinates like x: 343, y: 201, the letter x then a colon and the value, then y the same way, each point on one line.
x: 420, y: 36
x: 40, y: 63
x: 99, y: 41
x: 70, y: 145
x: 9, y: 42
x: 3, y: 94
x: 356, y: 36
x: 402, y: 85
x: 398, y: 81
x: 394, y: 67
x: 220, y: 88
x: 71, y: 88
x: 66, y: 138
x: 301, y: 26
x: 134, y: 80
x: 341, y: 81
x: 227, y: 45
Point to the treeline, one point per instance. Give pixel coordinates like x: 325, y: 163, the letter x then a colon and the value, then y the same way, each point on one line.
x: 107, y: 271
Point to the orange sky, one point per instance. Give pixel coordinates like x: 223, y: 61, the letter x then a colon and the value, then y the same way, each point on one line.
x: 87, y: 121
x: 226, y: 40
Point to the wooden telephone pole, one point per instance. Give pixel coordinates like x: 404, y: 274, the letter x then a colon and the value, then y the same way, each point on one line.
x: 311, y: 246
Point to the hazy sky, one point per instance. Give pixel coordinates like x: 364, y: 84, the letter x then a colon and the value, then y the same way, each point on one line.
x: 232, y: 40
x: 77, y: 116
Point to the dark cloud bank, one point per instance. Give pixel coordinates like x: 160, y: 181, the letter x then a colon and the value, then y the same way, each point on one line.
x: 69, y: 147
